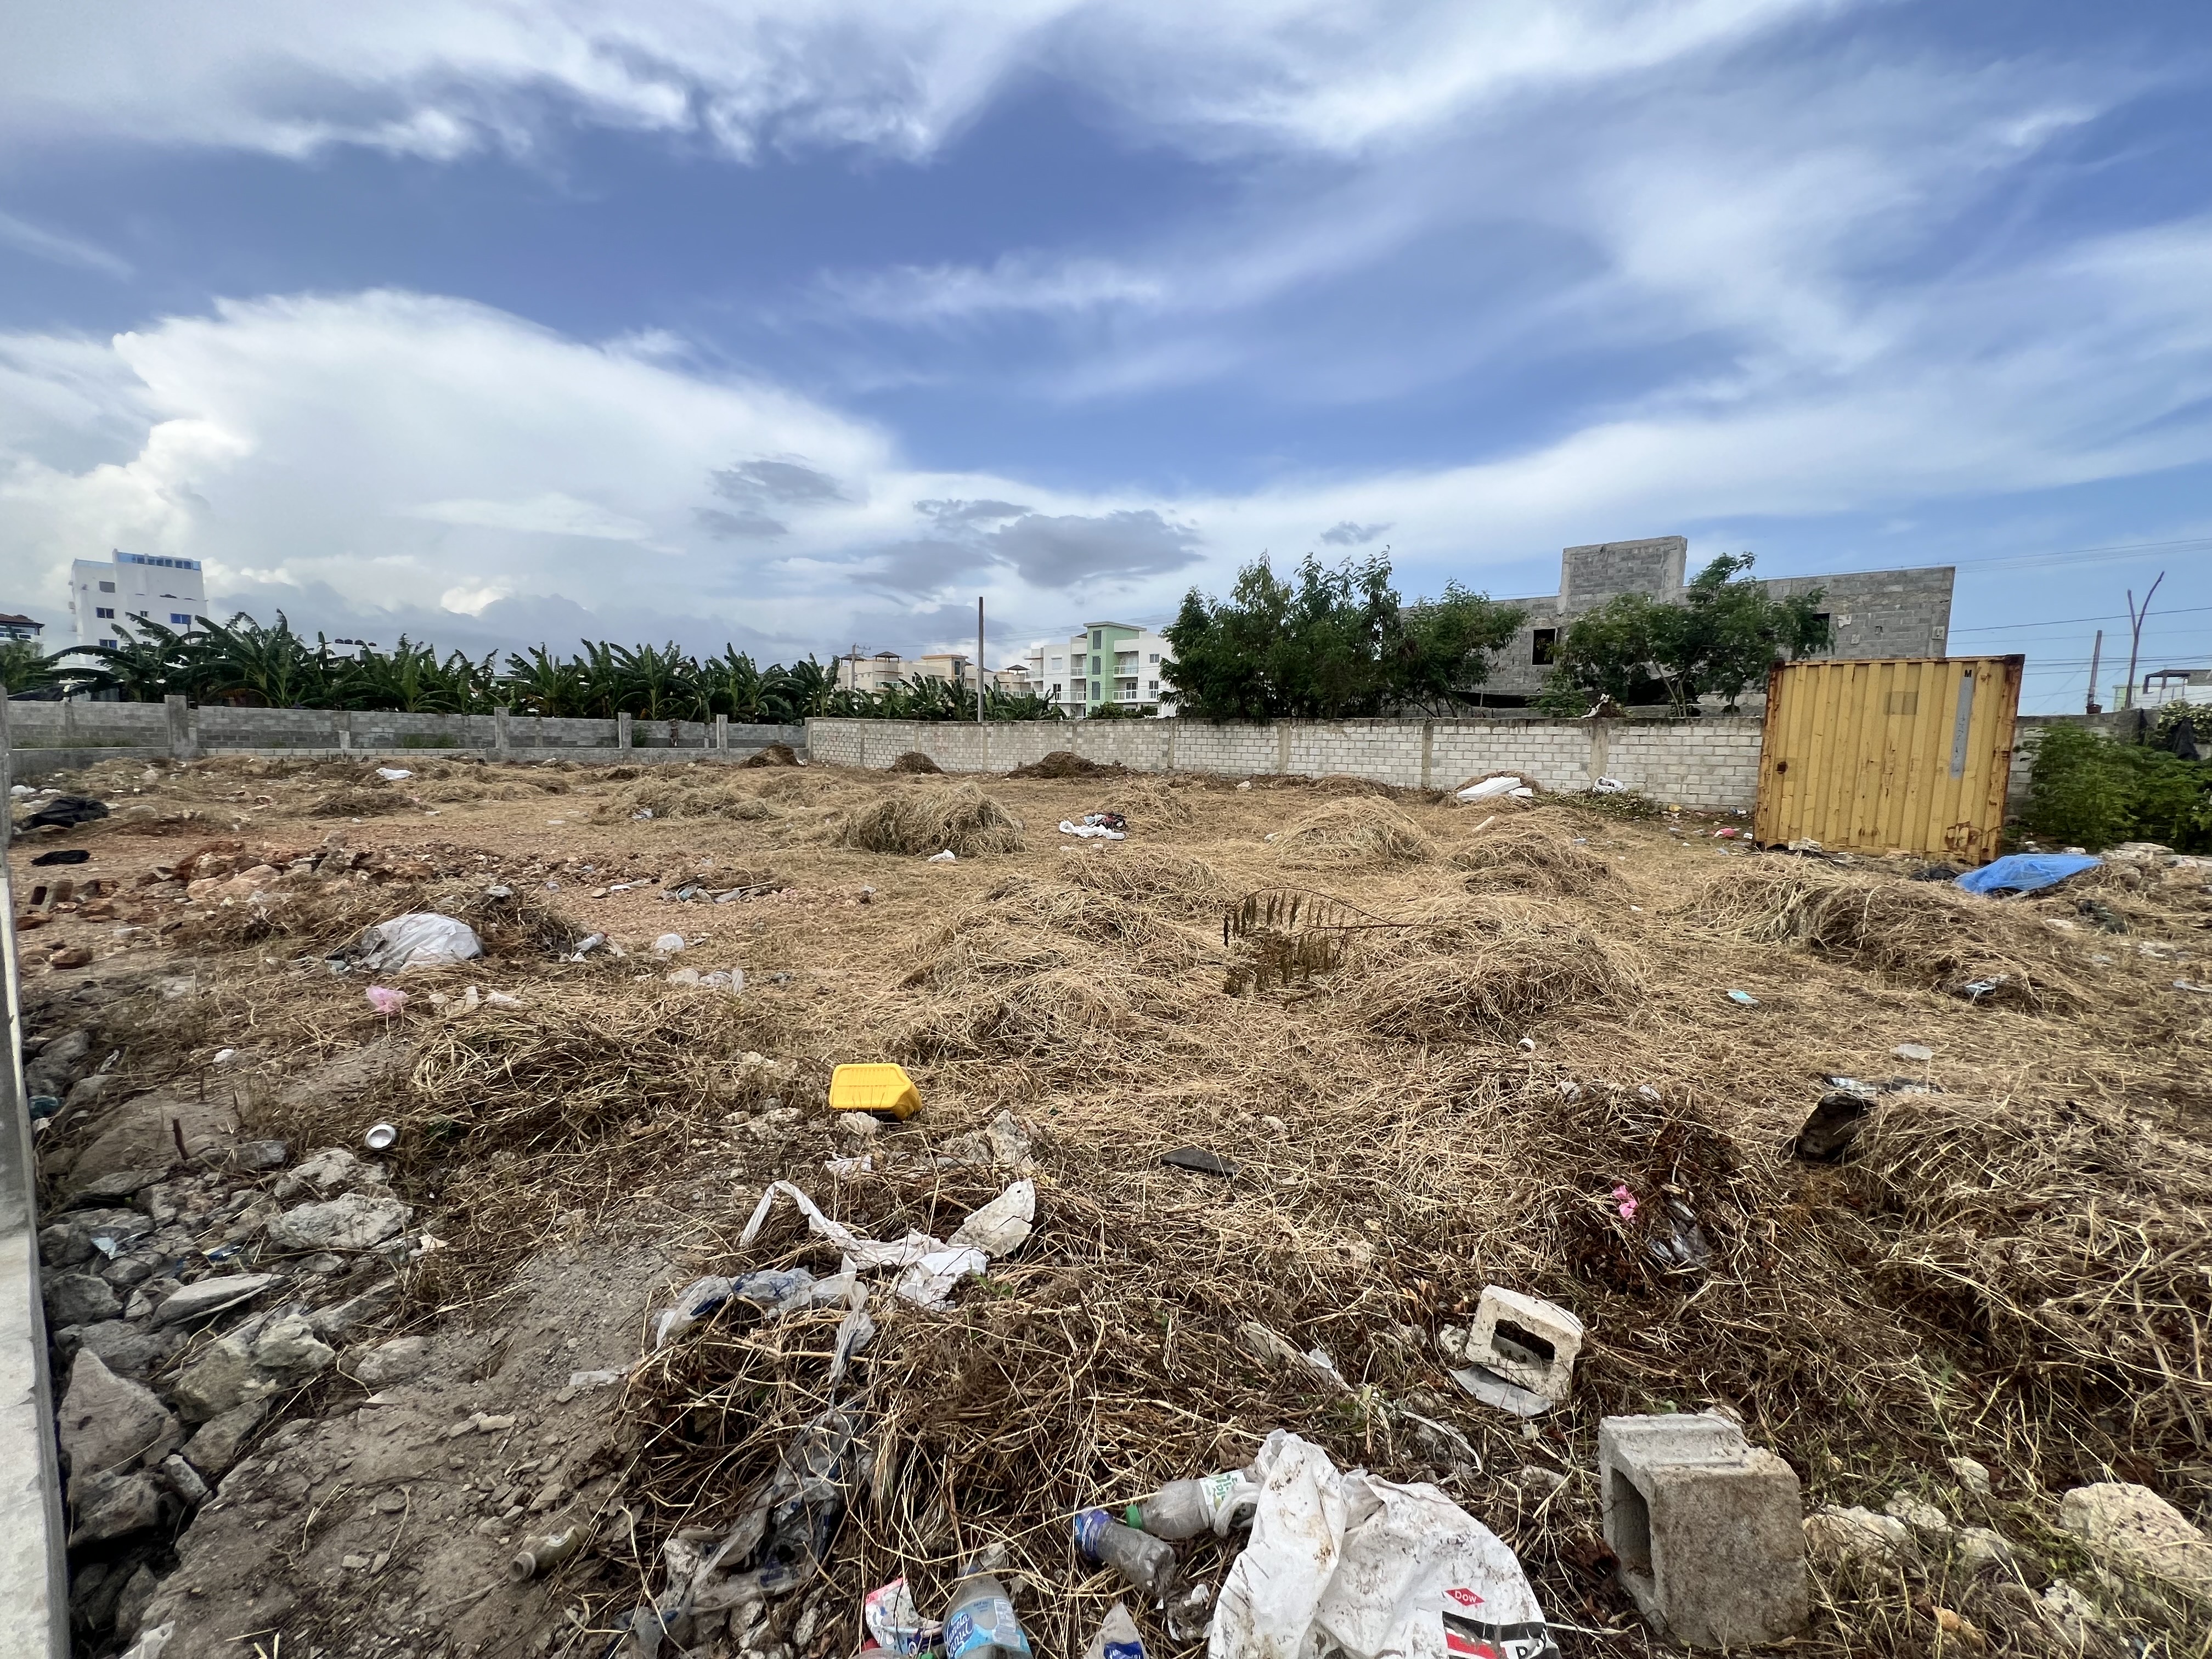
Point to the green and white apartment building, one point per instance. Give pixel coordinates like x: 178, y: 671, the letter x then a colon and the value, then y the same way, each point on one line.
x: 1107, y: 662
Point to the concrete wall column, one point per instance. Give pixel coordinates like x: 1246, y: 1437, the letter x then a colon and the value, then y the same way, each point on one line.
x: 622, y: 731
x: 722, y: 731
x: 500, y: 736
x: 184, y: 728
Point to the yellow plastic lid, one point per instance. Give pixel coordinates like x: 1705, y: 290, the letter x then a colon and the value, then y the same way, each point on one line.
x: 880, y: 1090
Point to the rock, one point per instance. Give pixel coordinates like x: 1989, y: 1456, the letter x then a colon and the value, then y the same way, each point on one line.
x: 224, y: 1376
x: 216, y: 1445
x: 114, y: 1506
x: 131, y: 1606
x: 2073, y: 1616
x: 80, y: 1299
x: 858, y: 1125
x: 69, y: 1244
x: 138, y: 1136
x: 337, y: 1321
x: 2135, y: 1530
x: 96, y: 1588
x: 1833, y: 1535
x: 71, y: 956
x: 1981, y: 1550
x: 123, y: 1183
x: 259, y: 1154
x: 185, y: 1480
x: 1973, y: 1476
x: 1009, y: 1141
x: 136, y: 1269
x: 250, y: 1219
x: 60, y: 1058
x: 327, y: 1173
x: 127, y: 1349
x: 1921, y: 1516
x: 106, y: 1421
x: 289, y: 1344
x: 86, y: 1093
x: 151, y: 1296
x: 211, y: 1296
x: 396, y: 1361
x: 354, y: 1222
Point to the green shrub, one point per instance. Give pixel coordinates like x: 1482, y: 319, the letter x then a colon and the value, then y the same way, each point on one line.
x: 2087, y: 791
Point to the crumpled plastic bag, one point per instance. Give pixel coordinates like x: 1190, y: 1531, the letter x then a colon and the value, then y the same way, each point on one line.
x: 421, y: 939
x: 931, y: 1268
x: 1489, y: 788
x: 2027, y: 872
x: 1347, y: 1562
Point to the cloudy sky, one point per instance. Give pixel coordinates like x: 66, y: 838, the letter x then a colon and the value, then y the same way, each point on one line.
x: 799, y: 326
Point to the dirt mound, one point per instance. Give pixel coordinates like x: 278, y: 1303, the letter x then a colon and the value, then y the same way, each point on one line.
x: 1353, y: 833
x: 360, y: 801
x: 958, y: 817
x: 1927, y: 933
x: 915, y: 760
x: 685, y: 792
x: 1532, y: 854
x: 1066, y: 763
x: 775, y: 754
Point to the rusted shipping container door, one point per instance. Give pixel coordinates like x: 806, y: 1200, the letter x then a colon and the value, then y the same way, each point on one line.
x: 1910, y: 754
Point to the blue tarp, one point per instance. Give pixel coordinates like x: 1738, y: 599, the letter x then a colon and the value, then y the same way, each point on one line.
x: 2023, y: 873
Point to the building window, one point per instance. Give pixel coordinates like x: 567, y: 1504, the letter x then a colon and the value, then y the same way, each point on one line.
x: 1152, y: 685
x: 1547, y: 646
x: 1097, y: 639
x: 107, y: 587
x: 1095, y: 667
x: 180, y: 619
x: 109, y: 644
x: 1079, y: 689
x: 1156, y: 656
x: 107, y: 610
x: 1059, y: 663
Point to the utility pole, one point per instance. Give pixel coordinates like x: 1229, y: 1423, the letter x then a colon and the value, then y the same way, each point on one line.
x: 978, y: 660
x: 2136, y: 621
x: 2096, y: 656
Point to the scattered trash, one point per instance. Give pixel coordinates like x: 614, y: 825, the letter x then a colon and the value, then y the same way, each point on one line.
x: 2190, y: 984
x: 542, y: 1554
x: 421, y: 939
x: 772, y: 1291
x: 1523, y: 1343
x: 1975, y: 989
x: 1370, y: 1567
x: 668, y: 944
x: 1491, y: 787
x: 381, y: 1136
x: 1627, y: 1203
x: 2102, y: 915
x: 64, y: 855
x: 948, y: 856
x: 1833, y: 1124
x: 393, y: 774
x: 1219, y: 1503
x: 931, y: 1269
x: 1527, y: 1045
x: 1919, y: 1053
x: 224, y: 1056
x: 878, y: 1088
x: 1317, y: 1361
x: 1148, y: 1563
x: 1199, y: 1159
x: 66, y: 812
x: 2025, y: 872
x: 893, y: 1620
x: 498, y: 891
x: 1743, y: 998
x: 385, y: 1001
x: 784, y: 1532
x: 1607, y: 786
x: 1117, y: 1638
x: 983, y: 1625
x: 1092, y: 828
x: 586, y: 945
x: 1189, y: 1609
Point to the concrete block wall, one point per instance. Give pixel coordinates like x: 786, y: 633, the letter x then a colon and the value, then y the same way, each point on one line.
x: 1710, y: 762
x: 2122, y: 727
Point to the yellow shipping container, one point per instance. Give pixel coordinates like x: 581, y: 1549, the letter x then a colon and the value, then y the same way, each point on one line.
x: 1909, y: 754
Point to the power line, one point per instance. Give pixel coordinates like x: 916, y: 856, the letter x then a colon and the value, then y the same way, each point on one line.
x: 2073, y: 622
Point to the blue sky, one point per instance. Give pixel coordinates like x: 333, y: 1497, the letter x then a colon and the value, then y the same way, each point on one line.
x: 802, y: 326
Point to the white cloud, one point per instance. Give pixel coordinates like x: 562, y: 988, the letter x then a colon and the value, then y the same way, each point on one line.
x: 551, y: 513
x: 59, y: 249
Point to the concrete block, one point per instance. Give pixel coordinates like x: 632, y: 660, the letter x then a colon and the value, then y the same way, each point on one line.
x: 1526, y: 1340
x: 1708, y: 1529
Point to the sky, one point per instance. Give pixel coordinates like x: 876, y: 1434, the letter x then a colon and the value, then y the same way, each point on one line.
x: 799, y: 327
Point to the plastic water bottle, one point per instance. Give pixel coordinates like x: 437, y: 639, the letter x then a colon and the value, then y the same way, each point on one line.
x: 1184, y: 1509
x: 983, y: 1625
x: 1147, y: 1562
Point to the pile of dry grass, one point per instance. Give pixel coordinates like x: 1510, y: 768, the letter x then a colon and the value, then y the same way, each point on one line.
x: 1152, y: 804
x: 1066, y: 763
x: 319, y: 918
x: 1493, y: 974
x: 686, y: 793
x: 958, y: 817
x: 1171, y: 881
x: 915, y: 760
x: 1927, y: 933
x: 1532, y: 854
x: 364, y: 800
x: 775, y: 754
x: 1359, y: 832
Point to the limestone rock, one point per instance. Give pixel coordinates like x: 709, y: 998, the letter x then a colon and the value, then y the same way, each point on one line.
x: 1919, y: 1515
x: 106, y: 1421
x: 1981, y: 1550
x: 327, y: 1173
x: 131, y: 1606
x: 138, y: 1135
x: 223, y: 1377
x: 216, y: 1445
x: 352, y: 1222
x: 127, y: 1349
x: 124, y: 1184
x: 336, y: 1322
x: 114, y: 1506
x: 289, y: 1344
x: 2134, y: 1529
x: 1973, y: 1476
x: 1833, y: 1535
x: 86, y: 1093
x: 396, y: 1361
x: 80, y: 1299
x: 209, y: 1296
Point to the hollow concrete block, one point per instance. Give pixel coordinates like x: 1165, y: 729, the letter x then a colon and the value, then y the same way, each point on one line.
x: 1526, y: 1340
x: 1707, y: 1527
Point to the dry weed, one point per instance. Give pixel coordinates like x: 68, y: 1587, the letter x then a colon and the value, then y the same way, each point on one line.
x: 1352, y: 833
x: 1533, y: 855
x: 960, y: 818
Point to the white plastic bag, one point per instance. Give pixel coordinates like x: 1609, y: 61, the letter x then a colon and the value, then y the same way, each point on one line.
x: 930, y: 1268
x: 1490, y: 787
x: 421, y: 939
x: 1348, y: 1562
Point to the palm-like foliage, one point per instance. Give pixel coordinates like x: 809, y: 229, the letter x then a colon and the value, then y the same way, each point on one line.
x: 23, y: 667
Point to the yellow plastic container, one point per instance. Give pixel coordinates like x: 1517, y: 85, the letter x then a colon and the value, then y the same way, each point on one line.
x: 879, y: 1091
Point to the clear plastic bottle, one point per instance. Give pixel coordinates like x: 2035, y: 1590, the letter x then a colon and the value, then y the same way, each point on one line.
x: 1147, y: 1562
x: 983, y: 1625
x: 1184, y: 1509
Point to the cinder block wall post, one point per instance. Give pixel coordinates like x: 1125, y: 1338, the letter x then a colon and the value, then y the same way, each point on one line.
x: 499, y: 733
x: 184, y: 728
x: 622, y: 731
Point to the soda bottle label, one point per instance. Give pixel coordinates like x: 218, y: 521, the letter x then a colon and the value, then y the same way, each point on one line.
x: 984, y: 1623
x: 1090, y: 1527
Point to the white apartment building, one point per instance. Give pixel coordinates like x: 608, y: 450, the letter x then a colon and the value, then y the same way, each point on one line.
x: 134, y: 587
x: 1107, y: 662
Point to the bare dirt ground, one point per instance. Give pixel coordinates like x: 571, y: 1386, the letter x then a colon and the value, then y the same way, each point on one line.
x: 2009, y: 1266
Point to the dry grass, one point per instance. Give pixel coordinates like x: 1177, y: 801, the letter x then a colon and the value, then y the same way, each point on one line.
x: 1353, y: 833
x: 1498, y: 973
x: 1174, y: 882
x: 1066, y: 763
x: 687, y: 792
x: 1538, y: 854
x: 959, y: 817
x: 360, y: 801
x: 913, y: 761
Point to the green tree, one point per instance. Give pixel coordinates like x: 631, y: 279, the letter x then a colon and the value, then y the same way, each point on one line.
x: 147, y: 663
x: 1720, y: 638
x: 23, y: 667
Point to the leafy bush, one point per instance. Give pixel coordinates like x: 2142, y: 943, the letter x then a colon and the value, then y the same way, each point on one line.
x: 2087, y: 791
